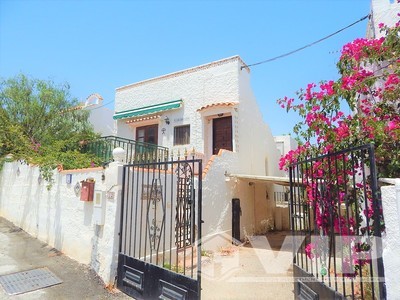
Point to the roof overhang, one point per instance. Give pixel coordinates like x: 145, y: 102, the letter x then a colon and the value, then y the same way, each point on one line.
x: 217, y: 105
x: 148, y: 110
x: 285, y: 181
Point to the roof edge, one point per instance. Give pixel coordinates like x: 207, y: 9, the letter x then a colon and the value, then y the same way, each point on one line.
x: 188, y: 71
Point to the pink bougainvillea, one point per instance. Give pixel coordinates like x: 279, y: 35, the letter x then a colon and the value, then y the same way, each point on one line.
x: 368, y: 87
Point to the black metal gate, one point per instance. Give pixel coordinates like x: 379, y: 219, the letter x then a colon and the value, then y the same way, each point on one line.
x: 160, y: 233
x: 336, y: 221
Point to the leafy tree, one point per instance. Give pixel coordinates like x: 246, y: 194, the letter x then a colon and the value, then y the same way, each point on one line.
x: 39, y: 124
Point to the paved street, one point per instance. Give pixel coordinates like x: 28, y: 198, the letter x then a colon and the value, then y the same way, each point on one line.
x: 239, y: 274
x: 21, y: 252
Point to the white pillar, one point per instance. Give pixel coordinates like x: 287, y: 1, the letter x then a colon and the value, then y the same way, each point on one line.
x: 113, y: 182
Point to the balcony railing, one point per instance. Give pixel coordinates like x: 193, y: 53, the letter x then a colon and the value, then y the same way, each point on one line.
x: 135, y: 151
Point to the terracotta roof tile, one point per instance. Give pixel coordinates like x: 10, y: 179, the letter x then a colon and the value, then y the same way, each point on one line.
x: 218, y: 104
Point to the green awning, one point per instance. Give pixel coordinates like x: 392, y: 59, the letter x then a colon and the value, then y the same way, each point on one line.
x: 148, y: 110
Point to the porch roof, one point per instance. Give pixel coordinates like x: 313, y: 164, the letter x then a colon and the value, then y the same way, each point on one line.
x: 285, y: 181
x: 217, y: 104
x: 148, y: 110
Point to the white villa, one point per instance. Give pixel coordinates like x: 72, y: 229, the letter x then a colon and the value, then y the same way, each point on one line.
x: 211, y: 108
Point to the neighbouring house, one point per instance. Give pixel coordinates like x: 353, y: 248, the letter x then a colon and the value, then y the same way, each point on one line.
x: 211, y: 110
x: 382, y: 11
x: 100, y: 117
x: 285, y: 143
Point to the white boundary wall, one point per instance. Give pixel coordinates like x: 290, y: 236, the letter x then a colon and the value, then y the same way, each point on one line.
x: 58, y: 217
x: 391, y: 239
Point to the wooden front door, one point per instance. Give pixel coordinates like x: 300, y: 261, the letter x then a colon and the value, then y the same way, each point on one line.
x: 147, y: 134
x: 222, y: 134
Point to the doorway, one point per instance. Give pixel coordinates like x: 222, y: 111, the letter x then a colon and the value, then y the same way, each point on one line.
x: 147, y: 134
x: 236, y: 213
x: 222, y: 134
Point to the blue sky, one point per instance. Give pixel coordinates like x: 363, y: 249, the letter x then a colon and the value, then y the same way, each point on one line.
x: 98, y: 46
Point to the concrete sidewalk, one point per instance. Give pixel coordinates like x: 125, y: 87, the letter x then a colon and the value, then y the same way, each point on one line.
x: 260, y: 271
x: 21, y: 252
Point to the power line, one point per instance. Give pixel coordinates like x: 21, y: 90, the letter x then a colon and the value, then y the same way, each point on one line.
x: 308, y: 45
x: 102, y: 105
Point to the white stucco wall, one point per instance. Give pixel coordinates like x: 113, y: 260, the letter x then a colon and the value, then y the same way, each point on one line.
x: 58, y: 217
x: 217, y: 208
x: 382, y: 11
x: 391, y: 240
x: 257, y: 149
x: 102, y: 120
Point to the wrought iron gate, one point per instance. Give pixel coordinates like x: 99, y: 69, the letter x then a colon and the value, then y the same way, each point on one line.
x: 336, y: 221
x: 160, y: 233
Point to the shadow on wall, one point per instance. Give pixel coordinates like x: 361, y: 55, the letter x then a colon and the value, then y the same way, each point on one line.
x: 105, y: 242
x: 58, y: 228
x: 25, y: 197
x: 87, y: 213
x: 115, y: 252
x: 94, y: 259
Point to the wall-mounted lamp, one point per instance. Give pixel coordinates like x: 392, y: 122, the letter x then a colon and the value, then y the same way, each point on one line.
x: 68, y: 178
x: 39, y: 180
x: 166, y: 119
x: 163, y: 130
x: 227, y: 178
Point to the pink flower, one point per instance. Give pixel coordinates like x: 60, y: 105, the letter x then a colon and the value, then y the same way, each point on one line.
x: 309, y: 249
x: 342, y: 131
x: 392, y: 80
x: 380, y: 25
x: 392, y: 125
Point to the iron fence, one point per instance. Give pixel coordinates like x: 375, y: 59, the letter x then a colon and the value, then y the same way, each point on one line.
x: 336, y: 220
x: 135, y: 151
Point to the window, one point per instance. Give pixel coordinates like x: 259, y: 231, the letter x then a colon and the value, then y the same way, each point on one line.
x: 147, y: 134
x: 281, y: 147
x: 182, y: 135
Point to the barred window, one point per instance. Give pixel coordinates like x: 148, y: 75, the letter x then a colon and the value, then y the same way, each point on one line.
x: 182, y: 135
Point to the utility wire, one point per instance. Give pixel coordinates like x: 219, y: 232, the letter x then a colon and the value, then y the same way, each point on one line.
x: 306, y: 46
x: 102, y: 105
